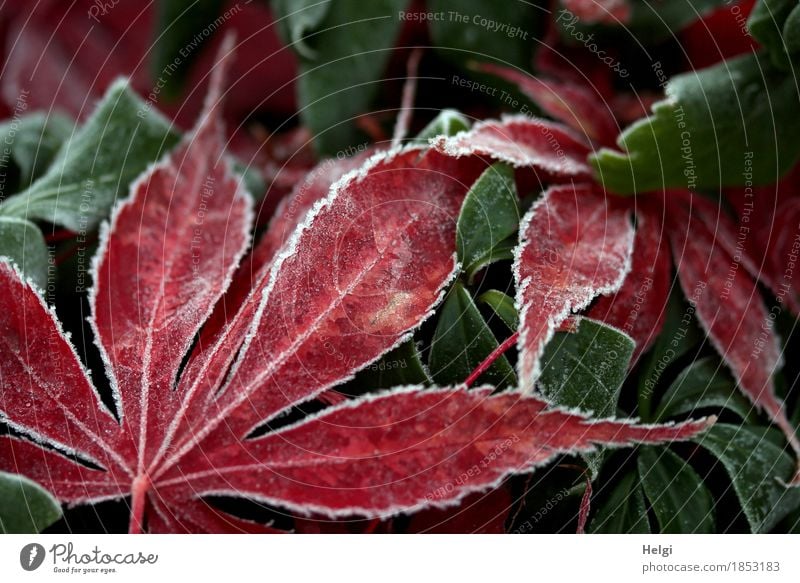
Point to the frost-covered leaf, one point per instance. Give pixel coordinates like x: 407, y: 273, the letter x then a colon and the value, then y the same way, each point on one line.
x: 462, y: 341
x: 758, y: 469
x: 290, y: 212
x: 449, y: 122
x: 22, y: 242
x: 176, y: 241
x: 382, y: 276
x: 97, y: 164
x: 585, y: 369
x: 489, y: 216
x: 522, y: 142
x: 623, y: 510
x: 502, y: 305
x: 31, y: 142
x: 710, y: 123
x: 575, y: 245
x: 703, y: 384
x: 731, y: 311
x: 335, y: 462
x: 578, y: 106
x: 58, y: 403
x: 772, y: 243
x: 639, y: 308
x: 25, y: 507
x: 362, y: 271
x: 678, y: 496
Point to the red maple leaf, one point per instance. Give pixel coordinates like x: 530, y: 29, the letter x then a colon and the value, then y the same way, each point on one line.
x: 362, y: 270
x: 719, y: 278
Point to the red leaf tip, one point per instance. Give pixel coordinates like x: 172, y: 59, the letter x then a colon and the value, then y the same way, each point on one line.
x: 219, y: 71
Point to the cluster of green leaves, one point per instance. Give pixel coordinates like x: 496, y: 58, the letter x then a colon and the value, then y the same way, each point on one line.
x: 343, y: 48
x: 776, y: 25
x: 655, y: 489
x: 683, y: 499
x: 486, y: 233
x: 71, y: 177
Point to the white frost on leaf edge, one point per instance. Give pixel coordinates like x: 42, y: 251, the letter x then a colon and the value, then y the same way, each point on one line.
x: 453, y: 146
x: 315, y: 509
x: 288, y: 250
x: 99, y: 405
x: 527, y: 380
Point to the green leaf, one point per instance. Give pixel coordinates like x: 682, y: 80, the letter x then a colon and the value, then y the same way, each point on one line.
x: 704, y: 383
x: 585, y: 369
x: 22, y: 242
x: 680, y: 500
x: 340, y: 67
x: 756, y: 466
x: 791, y: 31
x: 119, y: 141
x: 485, y: 30
x: 399, y: 367
x: 31, y: 142
x: 767, y: 24
x: 462, y: 340
x: 650, y: 22
x: 678, y: 336
x: 489, y: 215
x: 448, y: 123
x: 623, y: 511
x: 502, y: 305
x: 298, y: 17
x: 739, y: 114
x: 182, y: 29
x: 25, y: 507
